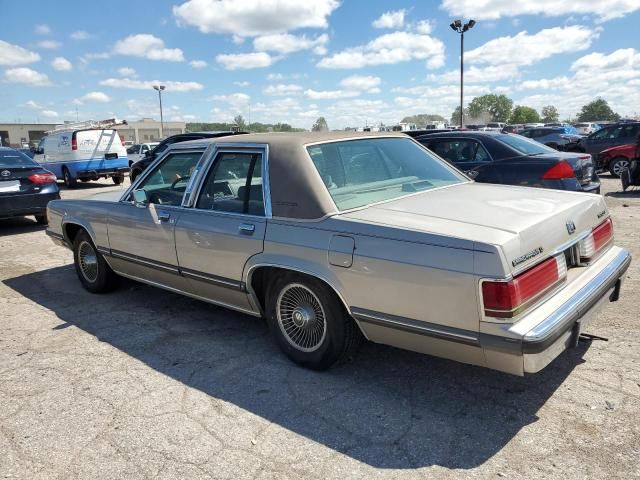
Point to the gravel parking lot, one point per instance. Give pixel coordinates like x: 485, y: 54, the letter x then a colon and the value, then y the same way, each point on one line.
x: 143, y: 383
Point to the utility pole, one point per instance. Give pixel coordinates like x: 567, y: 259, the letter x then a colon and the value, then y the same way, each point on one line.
x: 160, y: 88
x: 458, y: 27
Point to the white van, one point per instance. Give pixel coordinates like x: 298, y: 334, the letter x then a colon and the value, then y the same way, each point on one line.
x: 139, y: 150
x: 83, y: 152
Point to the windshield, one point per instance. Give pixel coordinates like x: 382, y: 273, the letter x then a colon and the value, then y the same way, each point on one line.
x: 14, y: 158
x: 362, y: 172
x: 524, y: 145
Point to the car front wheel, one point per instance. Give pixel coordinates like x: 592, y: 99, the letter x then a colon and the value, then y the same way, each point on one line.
x: 93, y: 271
x: 618, y: 166
x: 309, y: 322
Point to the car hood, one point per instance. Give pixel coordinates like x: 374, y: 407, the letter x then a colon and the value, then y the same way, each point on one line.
x: 620, y: 149
x: 518, y: 220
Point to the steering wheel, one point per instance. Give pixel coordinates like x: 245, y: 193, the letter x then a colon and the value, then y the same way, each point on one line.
x: 178, y: 180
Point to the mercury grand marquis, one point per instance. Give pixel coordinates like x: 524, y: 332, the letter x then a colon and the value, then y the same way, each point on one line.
x: 333, y: 237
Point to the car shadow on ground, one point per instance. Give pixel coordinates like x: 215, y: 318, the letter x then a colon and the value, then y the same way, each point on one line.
x: 631, y: 192
x: 89, y: 185
x: 388, y: 408
x: 18, y: 225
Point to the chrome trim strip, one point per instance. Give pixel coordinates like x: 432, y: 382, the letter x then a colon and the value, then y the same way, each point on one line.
x: 104, y: 250
x: 213, y: 279
x: 416, y: 326
x: 145, y: 262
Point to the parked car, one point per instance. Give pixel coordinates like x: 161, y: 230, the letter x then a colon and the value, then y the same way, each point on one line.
x: 494, y: 157
x: 139, y: 150
x: 610, y: 136
x: 554, y: 137
x: 533, y: 125
x: 303, y: 228
x: 139, y: 166
x: 83, y: 152
x: 587, y: 128
x: 495, y: 126
x: 616, y: 160
x: 424, y: 131
x: 25, y: 187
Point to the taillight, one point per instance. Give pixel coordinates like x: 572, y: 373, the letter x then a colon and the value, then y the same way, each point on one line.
x: 121, y: 140
x: 598, y: 238
x: 560, y: 170
x: 505, y: 299
x: 42, y: 178
x: 74, y: 143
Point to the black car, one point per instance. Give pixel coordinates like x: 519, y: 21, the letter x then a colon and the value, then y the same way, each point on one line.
x: 554, y: 137
x: 150, y: 156
x: 426, y: 131
x: 610, y: 136
x: 25, y: 187
x: 496, y: 157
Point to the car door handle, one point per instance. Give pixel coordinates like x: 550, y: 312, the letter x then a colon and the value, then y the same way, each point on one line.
x: 164, y: 216
x: 247, y: 228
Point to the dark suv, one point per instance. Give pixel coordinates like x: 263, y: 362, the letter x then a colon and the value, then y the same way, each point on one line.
x: 610, y: 136
x: 140, y: 165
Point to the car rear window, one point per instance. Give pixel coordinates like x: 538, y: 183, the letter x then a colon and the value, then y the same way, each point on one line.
x: 524, y: 145
x: 361, y: 172
x: 14, y: 158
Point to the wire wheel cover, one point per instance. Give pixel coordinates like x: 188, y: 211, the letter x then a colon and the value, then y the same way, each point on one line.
x: 301, y: 317
x: 88, y: 260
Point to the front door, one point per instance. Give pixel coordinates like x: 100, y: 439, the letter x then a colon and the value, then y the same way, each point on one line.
x: 141, y: 237
x: 225, y: 227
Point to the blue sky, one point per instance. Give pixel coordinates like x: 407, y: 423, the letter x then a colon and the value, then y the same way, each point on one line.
x: 353, y: 62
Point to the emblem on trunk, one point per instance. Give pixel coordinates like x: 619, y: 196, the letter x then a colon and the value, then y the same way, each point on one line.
x: 527, y: 256
x: 571, y: 227
x: 5, y: 173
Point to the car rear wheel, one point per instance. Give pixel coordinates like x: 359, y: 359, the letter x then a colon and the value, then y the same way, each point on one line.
x: 69, y: 181
x: 309, y: 322
x: 118, y: 179
x: 93, y: 271
x: 41, y: 219
x: 618, y: 166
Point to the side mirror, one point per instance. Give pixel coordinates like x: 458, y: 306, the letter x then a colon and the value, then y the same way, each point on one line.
x: 140, y: 198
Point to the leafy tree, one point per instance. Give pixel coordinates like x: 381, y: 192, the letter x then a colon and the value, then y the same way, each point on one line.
x: 524, y: 114
x: 455, y: 116
x: 423, y: 119
x: 550, y: 114
x: 239, y: 121
x: 498, y: 106
x: 320, y: 125
x: 597, y: 110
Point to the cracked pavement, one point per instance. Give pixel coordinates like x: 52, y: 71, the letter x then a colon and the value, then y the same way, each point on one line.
x: 144, y: 383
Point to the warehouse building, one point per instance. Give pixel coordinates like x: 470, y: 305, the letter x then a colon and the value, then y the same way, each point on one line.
x: 142, y: 131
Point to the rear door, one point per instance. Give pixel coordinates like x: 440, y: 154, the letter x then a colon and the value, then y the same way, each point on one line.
x: 225, y: 227
x: 467, y: 154
x: 102, y: 148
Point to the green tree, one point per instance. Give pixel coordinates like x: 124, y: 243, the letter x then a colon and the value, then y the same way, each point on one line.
x: 320, y: 125
x: 498, y: 106
x: 239, y: 121
x: 524, y: 114
x: 455, y: 116
x: 599, y: 109
x: 550, y: 114
x: 423, y: 119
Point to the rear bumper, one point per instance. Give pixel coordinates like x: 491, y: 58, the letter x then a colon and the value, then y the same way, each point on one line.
x: 533, y: 342
x: 26, y: 204
x: 102, y: 172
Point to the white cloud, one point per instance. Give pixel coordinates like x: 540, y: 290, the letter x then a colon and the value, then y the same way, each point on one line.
x: 248, y: 19
x: 425, y: 27
x: 61, y: 64
x: 49, y: 44
x: 97, y: 97
x: 282, y: 89
x: 33, y: 105
x: 361, y: 83
x: 42, y: 29
x: 244, y: 61
x: 492, y: 10
x: 391, y: 48
x: 148, y: 84
x: 234, y: 100
x: 147, y: 46
x: 14, y: 55
x: 623, y: 58
x: 526, y: 49
x: 127, y: 72
x: 198, y: 63
x: 473, y: 74
x: 390, y: 20
x: 286, y: 43
x: 273, y: 77
x: 49, y: 113
x: 80, y: 35
x: 329, y: 94
x: 243, y: 84
x: 27, y: 76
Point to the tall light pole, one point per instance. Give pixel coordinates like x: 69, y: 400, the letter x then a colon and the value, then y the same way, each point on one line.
x: 457, y: 26
x: 160, y: 88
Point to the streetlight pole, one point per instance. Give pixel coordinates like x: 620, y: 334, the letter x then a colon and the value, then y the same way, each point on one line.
x: 160, y: 88
x: 458, y: 27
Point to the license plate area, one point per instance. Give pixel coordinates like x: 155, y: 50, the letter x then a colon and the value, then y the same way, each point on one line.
x: 10, y: 186
x: 110, y: 156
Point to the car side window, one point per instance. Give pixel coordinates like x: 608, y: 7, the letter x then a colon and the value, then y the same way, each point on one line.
x: 601, y: 134
x: 461, y: 151
x: 166, y: 184
x: 630, y: 131
x: 234, y: 184
x: 144, y: 149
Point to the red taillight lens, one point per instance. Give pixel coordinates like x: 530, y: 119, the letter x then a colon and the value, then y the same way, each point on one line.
x: 505, y: 299
x: 598, y: 238
x: 74, y: 143
x: 42, y: 178
x: 560, y: 170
